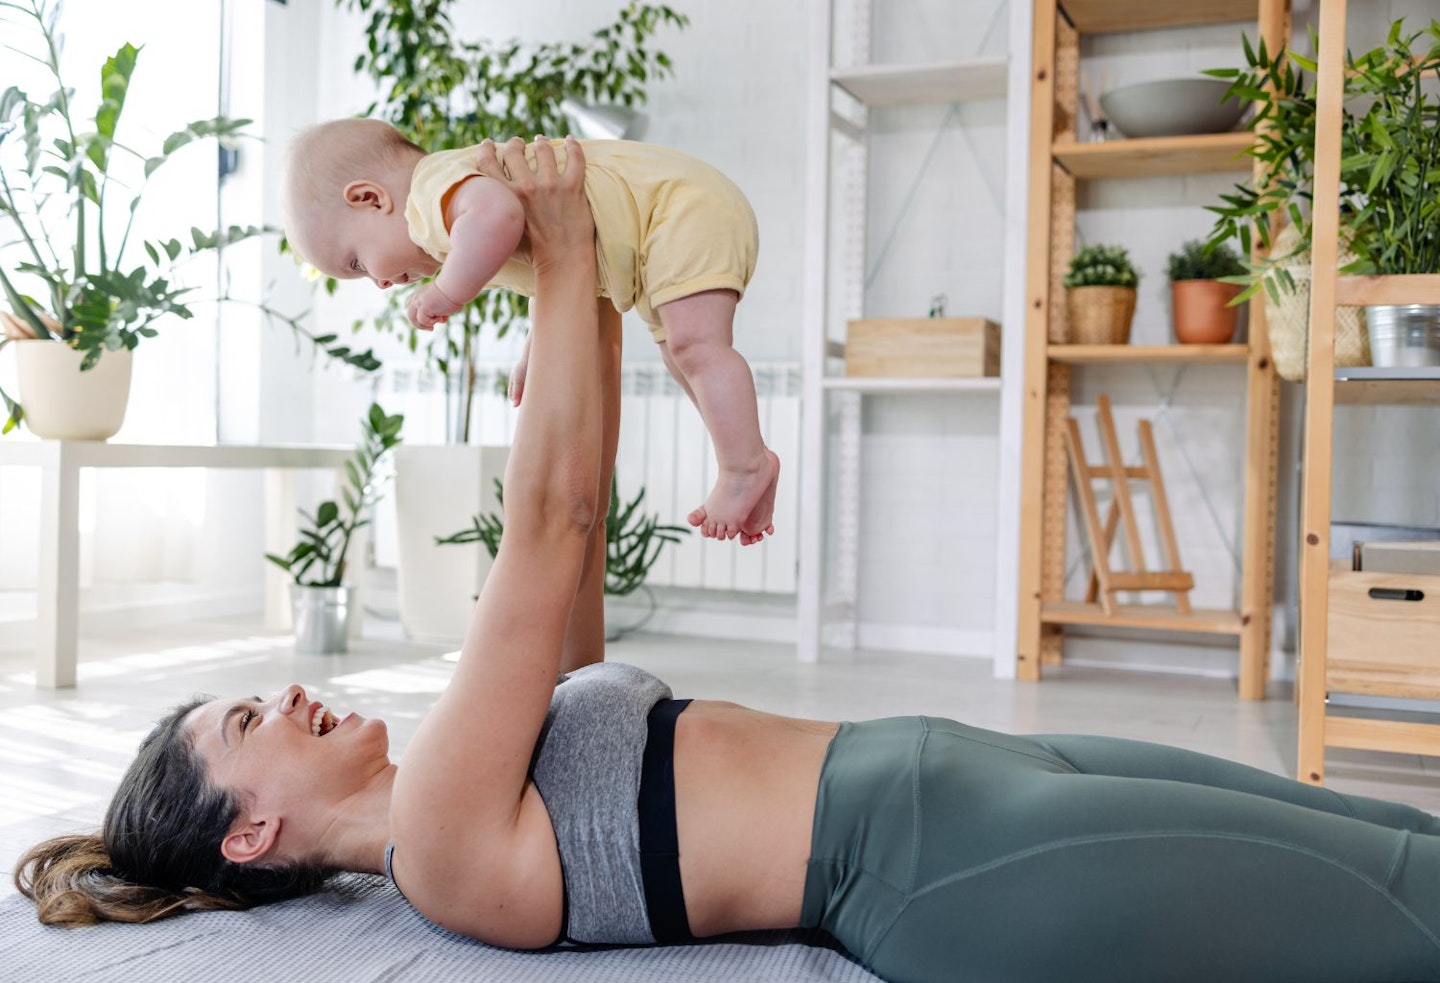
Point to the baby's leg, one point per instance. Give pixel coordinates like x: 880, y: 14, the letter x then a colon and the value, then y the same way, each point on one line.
x: 698, y: 350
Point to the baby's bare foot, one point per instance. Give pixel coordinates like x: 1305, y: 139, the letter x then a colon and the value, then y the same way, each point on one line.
x: 736, y: 502
x: 758, y: 524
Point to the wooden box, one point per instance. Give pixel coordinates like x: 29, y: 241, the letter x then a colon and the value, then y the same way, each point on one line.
x: 1384, y: 637
x: 922, y: 347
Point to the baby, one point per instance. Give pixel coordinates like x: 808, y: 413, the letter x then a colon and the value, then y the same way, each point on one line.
x: 675, y: 239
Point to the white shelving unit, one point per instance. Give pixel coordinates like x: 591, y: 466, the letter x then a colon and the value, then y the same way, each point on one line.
x: 845, y: 88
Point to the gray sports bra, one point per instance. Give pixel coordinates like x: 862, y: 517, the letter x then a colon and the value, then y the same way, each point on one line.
x: 587, y: 768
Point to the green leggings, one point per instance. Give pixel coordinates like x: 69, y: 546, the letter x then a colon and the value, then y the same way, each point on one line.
x: 947, y: 853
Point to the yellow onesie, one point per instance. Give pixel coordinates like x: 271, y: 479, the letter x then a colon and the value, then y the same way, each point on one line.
x: 666, y: 225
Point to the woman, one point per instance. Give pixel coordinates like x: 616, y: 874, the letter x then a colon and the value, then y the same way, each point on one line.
x: 600, y: 810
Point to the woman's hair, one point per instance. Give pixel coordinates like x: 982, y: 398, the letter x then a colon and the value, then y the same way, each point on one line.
x: 158, y: 852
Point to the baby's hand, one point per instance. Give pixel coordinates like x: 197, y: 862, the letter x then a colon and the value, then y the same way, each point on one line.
x: 428, y: 306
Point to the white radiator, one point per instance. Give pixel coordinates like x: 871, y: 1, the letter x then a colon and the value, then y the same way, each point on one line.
x: 665, y: 450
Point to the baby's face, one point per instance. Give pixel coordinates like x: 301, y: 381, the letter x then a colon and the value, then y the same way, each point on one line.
x: 370, y: 244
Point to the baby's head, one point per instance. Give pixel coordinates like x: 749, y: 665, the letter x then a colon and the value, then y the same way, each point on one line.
x: 327, y: 168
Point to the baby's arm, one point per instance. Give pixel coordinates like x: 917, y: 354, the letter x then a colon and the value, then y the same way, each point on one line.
x: 486, y: 222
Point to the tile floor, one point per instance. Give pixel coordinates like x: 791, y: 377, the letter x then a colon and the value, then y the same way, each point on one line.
x: 61, y: 751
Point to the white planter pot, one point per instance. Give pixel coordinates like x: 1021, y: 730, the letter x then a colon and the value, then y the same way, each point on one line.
x: 63, y: 403
x: 438, y: 491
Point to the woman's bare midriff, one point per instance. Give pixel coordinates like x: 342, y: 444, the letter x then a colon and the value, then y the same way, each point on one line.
x: 745, y: 786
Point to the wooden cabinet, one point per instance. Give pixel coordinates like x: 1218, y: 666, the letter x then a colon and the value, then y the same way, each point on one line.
x: 1349, y: 643
x: 1058, y: 162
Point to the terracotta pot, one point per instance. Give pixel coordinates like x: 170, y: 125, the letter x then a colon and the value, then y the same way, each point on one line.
x: 1199, y: 310
x: 63, y: 403
x: 1099, y: 315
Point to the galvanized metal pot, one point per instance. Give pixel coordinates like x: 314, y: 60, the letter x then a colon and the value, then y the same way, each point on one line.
x: 322, y: 617
x: 1404, y: 336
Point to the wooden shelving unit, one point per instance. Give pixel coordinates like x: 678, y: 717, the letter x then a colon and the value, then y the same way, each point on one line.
x: 1353, y: 637
x: 1058, y: 160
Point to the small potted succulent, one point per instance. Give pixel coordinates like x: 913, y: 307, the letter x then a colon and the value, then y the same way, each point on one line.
x: 1203, y: 286
x: 1100, y: 295
x: 320, y: 598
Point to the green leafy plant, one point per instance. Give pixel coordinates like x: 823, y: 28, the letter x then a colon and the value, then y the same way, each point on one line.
x: 1101, y: 266
x: 1201, y: 260
x: 633, y: 539
x: 1389, y: 158
x: 445, y: 92
x: 318, y: 559
x: 70, y: 192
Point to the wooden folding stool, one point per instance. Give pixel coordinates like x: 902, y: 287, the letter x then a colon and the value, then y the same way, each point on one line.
x: 1105, y: 582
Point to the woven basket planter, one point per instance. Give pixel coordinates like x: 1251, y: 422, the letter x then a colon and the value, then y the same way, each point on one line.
x: 1287, y: 321
x: 1099, y: 315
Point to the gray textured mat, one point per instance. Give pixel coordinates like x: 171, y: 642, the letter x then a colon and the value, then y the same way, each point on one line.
x: 366, y: 933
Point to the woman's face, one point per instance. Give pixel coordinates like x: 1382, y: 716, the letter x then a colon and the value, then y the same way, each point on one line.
x: 287, y: 756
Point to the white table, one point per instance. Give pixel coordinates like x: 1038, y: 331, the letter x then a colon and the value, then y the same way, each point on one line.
x: 60, y: 461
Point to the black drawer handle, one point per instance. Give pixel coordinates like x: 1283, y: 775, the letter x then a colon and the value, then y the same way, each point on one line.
x: 1397, y: 594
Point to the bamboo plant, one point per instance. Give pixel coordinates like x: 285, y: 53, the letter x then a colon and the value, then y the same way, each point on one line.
x: 1389, y: 158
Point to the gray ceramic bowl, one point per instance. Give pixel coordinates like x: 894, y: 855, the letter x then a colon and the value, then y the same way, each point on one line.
x: 1172, y: 107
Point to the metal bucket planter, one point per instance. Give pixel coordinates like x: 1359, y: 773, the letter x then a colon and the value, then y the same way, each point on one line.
x: 1404, y: 336
x: 322, y: 618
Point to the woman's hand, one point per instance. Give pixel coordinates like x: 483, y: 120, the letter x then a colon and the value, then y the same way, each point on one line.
x: 557, y: 216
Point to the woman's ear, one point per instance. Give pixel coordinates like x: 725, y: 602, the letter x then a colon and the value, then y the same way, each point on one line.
x: 368, y: 195
x: 250, y: 840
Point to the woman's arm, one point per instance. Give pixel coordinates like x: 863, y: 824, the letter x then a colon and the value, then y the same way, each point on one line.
x: 462, y: 818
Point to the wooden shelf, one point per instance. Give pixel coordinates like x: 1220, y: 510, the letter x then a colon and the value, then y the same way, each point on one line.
x: 1358, y: 291
x: 1058, y: 168
x: 1115, y: 16
x: 987, y: 384
x: 1100, y: 354
x: 1386, y: 386
x: 912, y: 85
x: 1202, y: 153
x: 1204, y: 621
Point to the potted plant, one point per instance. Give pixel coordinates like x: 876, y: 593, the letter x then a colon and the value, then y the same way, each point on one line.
x: 1200, y: 296
x: 1389, y: 214
x: 82, y: 291
x: 633, y: 541
x: 444, y: 91
x: 1100, y: 295
x: 321, y: 600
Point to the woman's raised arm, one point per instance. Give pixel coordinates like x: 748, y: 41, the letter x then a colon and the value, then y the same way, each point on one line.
x: 461, y: 789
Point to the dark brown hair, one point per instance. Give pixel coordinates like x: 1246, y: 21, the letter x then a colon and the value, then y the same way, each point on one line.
x: 158, y: 852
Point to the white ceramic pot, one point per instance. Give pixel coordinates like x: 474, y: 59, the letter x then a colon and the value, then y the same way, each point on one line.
x: 438, y: 491
x: 63, y: 403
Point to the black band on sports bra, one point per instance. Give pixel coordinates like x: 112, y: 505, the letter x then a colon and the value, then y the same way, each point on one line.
x: 659, y: 842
